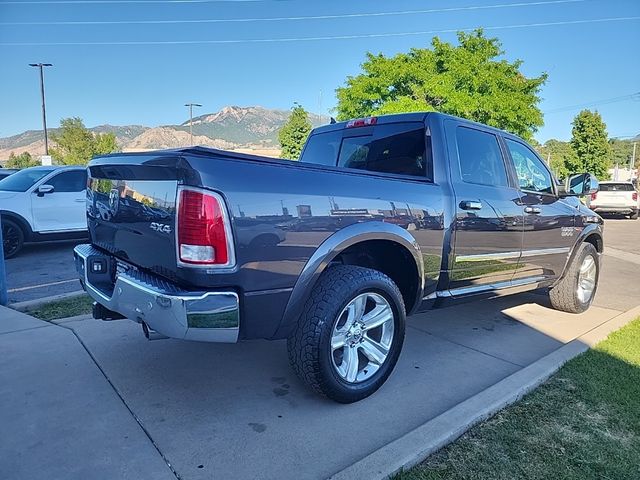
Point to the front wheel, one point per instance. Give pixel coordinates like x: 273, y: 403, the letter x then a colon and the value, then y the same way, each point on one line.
x: 350, y: 334
x: 12, y: 238
x: 575, y: 292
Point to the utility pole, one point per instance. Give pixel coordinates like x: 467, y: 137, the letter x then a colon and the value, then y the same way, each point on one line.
x: 44, y: 114
x: 191, y: 105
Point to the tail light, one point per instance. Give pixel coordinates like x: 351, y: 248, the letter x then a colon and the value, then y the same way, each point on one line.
x: 594, y: 196
x: 634, y: 196
x: 204, y: 236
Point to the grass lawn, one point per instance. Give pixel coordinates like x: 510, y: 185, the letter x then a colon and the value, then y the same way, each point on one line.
x: 69, y: 307
x: 583, y: 423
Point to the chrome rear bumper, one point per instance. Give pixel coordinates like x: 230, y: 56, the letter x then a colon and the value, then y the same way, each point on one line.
x: 162, y: 305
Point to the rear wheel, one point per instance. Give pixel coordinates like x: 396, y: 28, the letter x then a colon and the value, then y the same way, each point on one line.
x: 12, y: 238
x: 350, y: 334
x: 634, y: 215
x: 575, y: 292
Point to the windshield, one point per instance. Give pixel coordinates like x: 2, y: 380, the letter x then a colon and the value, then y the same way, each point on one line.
x: 23, y: 180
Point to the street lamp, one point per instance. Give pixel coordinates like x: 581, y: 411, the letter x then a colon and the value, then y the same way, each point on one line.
x: 44, y: 114
x: 191, y: 105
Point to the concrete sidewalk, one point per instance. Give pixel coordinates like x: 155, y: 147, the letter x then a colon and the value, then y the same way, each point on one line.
x: 60, y: 417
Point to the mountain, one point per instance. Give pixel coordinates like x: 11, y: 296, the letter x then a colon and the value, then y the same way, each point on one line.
x: 232, y: 128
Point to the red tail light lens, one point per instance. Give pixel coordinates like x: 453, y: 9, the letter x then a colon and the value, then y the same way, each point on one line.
x: 202, y: 234
x: 594, y: 195
x: 634, y: 196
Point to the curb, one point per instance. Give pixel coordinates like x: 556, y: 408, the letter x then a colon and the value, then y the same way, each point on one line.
x: 415, y: 446
x: 30, y: 304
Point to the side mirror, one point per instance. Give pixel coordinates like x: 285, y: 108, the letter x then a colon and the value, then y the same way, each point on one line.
x: 42, y: 190
x: 580, y: 185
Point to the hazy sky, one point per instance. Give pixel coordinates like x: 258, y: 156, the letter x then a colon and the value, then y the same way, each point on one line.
x: 143, y: 73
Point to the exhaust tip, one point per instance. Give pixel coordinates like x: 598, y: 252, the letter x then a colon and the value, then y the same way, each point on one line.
x: 151, y: 334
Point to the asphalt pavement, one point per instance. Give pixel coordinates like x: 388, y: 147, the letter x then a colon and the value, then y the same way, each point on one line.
x: 95, y: 399
x: 42, y: 270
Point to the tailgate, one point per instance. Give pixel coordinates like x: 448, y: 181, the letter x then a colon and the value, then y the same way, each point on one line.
x: 131, y: 210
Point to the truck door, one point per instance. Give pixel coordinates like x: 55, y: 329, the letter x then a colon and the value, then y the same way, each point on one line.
x: 64, y: 209
x: 488, y: 225
x: 549, y: 229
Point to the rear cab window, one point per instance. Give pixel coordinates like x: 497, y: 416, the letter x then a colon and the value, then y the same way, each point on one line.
x: 616, y: 187
x: 399, y: 149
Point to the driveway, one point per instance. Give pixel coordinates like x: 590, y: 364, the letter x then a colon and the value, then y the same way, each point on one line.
x: 237, y: 411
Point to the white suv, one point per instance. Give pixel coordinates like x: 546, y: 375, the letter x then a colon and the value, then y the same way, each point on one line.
x: 42, y: 203
x: 615, y: 197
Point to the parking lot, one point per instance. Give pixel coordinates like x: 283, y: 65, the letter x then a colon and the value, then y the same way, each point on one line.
x: 237, y: 411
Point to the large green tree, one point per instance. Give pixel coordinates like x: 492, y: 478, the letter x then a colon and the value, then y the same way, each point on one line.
x: 23, y: 160
x: 294, y: 133
x: 589, y: 141
x: 470, y: 80
x: 76, y: 145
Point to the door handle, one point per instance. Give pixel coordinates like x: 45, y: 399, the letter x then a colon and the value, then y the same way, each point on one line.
x: 532, y: 210
x: 470, y: 205
x: 80, y: 200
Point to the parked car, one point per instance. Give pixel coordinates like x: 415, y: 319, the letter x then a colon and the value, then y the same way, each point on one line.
x: 5, y: 172
x: 498, y: 221
x: 616, y: 198
x: 41, y: 204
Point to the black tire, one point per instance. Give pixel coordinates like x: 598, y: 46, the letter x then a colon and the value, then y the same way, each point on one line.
x: 12, y: 237
x: 634, y: 215
x: 564, y: 295
x: 309, y: 349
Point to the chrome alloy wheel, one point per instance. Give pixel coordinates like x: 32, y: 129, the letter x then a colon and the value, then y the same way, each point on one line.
x: 362, y: 337
x: 586, y: 279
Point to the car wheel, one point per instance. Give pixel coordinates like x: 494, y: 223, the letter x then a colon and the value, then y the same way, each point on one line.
x: 350, y: 334
x: 575, y: 292
x: 634, y: 215
x: 12, y: 238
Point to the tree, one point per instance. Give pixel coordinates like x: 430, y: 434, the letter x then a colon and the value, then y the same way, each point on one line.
x: 589, y: 141
x: 294, y: 133
x: 23, y: 160
x: 76, y: 145
x: 560, y: 155
x: 468, y: 80
x: 622, y: 152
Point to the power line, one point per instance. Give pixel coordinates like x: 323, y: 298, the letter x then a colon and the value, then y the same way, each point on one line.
x: 298, y: 18
x: 309, y: 39
x: 631, y: 96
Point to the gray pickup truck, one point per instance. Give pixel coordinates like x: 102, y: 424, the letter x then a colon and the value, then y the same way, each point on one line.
x: 382, y: 217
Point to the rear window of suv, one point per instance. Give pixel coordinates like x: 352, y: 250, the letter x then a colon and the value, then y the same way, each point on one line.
x: 396, y: 148
x: 616, y: 187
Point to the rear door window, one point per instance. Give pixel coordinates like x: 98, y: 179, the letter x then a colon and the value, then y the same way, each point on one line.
x: 480, y: 157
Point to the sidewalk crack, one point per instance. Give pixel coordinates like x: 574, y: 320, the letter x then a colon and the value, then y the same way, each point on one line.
x: 131, y: 412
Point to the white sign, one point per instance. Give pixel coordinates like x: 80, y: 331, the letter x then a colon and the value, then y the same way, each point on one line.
x: 45, y: 160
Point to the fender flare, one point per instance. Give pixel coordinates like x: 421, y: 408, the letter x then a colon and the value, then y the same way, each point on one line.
x: 587, y: 231
x: 336, y: 244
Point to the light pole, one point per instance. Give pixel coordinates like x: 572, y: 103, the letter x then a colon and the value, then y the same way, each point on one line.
x: 191, y: 105
x: 44, y: 114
